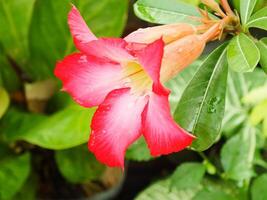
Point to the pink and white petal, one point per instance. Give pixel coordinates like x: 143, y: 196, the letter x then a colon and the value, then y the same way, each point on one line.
x: 109, y: 49
x: 150, y: 58
x: 115, y: 125
x: 162, y: 134
x: 88, y: 79
x: 79, y: 29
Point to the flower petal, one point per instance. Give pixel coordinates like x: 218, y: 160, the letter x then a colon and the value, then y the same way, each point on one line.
x: 79, y: 29
x: 109, y: 49
x: 150, y: 58
x: 88, y: 79
x: 115, y: 125
x: 162, y: 134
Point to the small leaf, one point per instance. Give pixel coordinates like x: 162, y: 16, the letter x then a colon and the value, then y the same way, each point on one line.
x: 242, y: 54
x: 138, y: 151
x: 256, y: 95
x: 165, y: 12
x: 187, y: 175
x: 201, y: 108
x: 237, y: 154
x: 62, y: 130
x: 4, y: 101
x: 14, y: 171
x: 78, y: 165
x: 258, y: 189
x: 246, y: 9
x: 161, y: 191
x: 262, y: 45
x: 259, y: 19
x: 258, y: 113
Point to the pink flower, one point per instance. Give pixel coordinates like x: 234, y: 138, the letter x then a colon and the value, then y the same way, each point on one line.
x: 125, y: 85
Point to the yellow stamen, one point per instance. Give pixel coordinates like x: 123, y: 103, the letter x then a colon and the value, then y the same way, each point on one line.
x: 136, y: 77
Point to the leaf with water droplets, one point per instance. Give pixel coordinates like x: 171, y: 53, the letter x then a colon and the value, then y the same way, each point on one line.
x: 201, y: 108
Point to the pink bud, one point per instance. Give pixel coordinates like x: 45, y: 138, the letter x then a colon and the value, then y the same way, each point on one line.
x: 169, y: 33
x: 179, y: 54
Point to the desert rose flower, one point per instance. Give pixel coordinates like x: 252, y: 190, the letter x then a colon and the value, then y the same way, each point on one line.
x: 125, y: 83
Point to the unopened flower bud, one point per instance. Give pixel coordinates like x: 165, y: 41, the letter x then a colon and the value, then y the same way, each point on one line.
x: 179, y: 54
x: 169, y: 33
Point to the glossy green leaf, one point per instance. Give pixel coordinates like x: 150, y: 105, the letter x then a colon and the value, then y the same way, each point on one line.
x: 165, y: 12
x: 237, y: 154
x: 64, y: 129
x: 15, y: 18
x: 4, y: 101
x: 78, y: 165
x: 246, y: 9
x: 49, y: 25
x: 242, y: 54
x: 259, y: 19
x: 14, y: 171
x: 139, y: 151
x: 258, y: 189
x: 201, y: 108
x: 262, y: 45
x: 187, y: 175
x: 179, y: 83
x: 160, y: 190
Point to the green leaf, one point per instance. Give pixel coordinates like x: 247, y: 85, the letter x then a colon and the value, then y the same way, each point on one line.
x: 165, y: 12
x: 258, y: 113
x: 258, y: 189
x: 28, y: 190
x: 237, y: 154
x: 4, y: 101
x: 212, y: 194
x: 105, y: 18
x: 187, y: 175
x: 6, y: 72
x: 14, y: 171
x: 78, y: 165
x: 15, y: 18
x: 259, y: 19
x: 256, y: 96
x: 138, y: 151
x: 160, y: 191
x: 246, y: 9
x: 62, y: 130
x: 179, y: 83
x: 240, y: 85
x: 201, y: 108
x: 242, y: 54
x: 262, y: 45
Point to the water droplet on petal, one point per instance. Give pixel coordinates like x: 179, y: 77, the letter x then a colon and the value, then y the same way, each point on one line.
x: 180, y: 50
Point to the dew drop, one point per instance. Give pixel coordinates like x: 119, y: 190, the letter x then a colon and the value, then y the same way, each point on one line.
x: 180, y: 50
x: 214, y: 101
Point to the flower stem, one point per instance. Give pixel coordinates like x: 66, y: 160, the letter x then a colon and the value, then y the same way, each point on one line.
x: 227, y: 7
